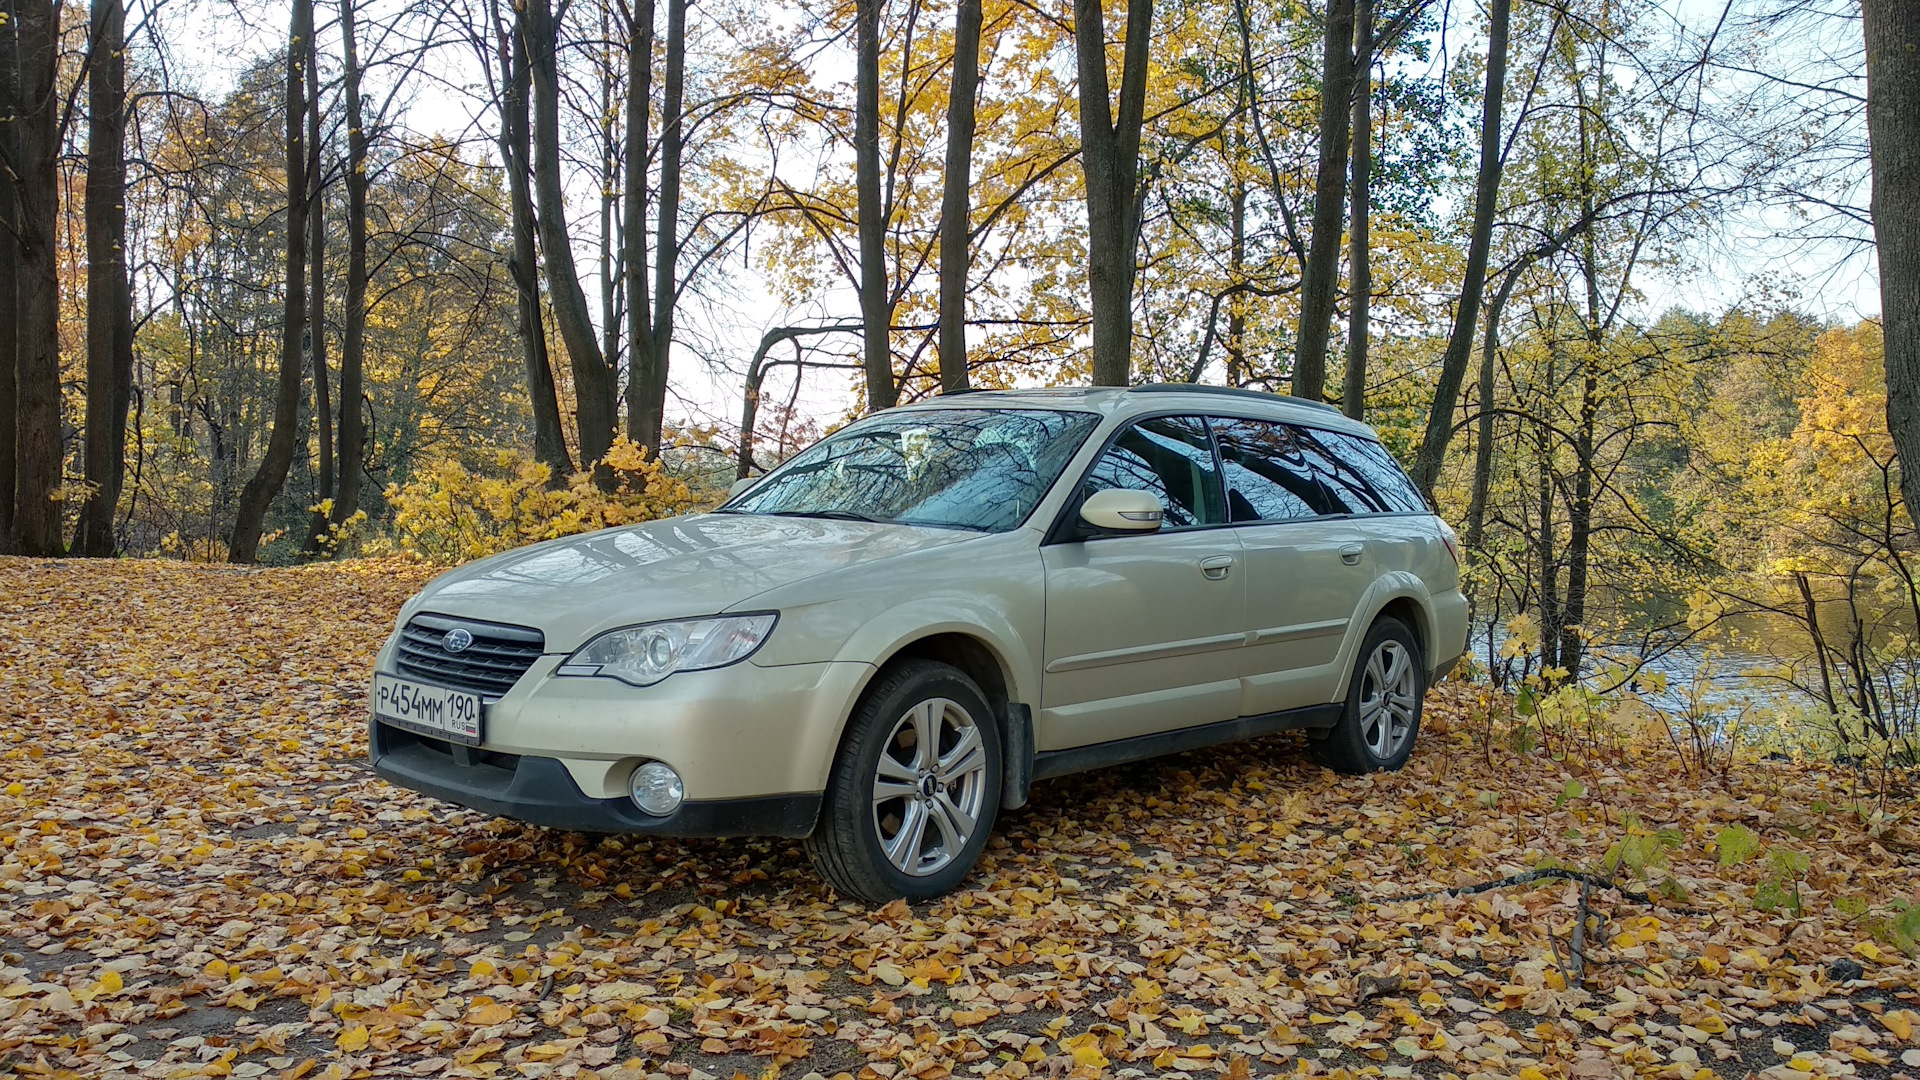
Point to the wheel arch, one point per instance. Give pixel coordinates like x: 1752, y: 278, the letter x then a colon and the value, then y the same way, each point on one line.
x: 1399, y: 595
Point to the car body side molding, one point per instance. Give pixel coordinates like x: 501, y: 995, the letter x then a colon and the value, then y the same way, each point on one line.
x: 1120, y: 751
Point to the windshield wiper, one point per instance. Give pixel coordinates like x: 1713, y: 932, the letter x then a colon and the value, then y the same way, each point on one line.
x: 838, y: 515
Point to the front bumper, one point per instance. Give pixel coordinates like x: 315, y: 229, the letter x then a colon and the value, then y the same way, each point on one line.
x: 541, y: 791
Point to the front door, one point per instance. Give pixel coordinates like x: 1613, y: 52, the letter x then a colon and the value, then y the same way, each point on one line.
x: 1144, y: 633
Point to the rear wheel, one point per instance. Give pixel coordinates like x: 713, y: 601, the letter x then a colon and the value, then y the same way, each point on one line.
x: 915, y: 790
x: 1382, y: 715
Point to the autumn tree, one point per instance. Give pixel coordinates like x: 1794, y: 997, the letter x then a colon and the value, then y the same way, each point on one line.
x: 1110, y: 133
x: 250, y: 517
x: 37, y: 113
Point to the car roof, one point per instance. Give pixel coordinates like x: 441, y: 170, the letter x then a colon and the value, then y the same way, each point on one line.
x: 1155, y: 398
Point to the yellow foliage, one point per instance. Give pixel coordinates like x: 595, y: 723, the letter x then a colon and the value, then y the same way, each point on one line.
x: 451, y: 515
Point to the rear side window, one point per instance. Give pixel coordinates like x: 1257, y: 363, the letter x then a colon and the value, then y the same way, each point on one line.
x: 1371, y: 475
x: 1271, y: 473
x: 1281, y: 472
x: 1172, y: 457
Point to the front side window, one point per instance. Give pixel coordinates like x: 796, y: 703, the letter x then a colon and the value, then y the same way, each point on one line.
x: 982, y: 469
x: 1172, y: 457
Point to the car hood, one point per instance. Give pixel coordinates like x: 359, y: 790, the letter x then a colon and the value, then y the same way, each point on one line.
x: 578, y: 586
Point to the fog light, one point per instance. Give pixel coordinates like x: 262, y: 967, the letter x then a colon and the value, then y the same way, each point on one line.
x: 656, y: 788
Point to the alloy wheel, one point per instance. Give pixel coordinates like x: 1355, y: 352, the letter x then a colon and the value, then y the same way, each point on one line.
x: 929, y: 787
x: 1389, y: 698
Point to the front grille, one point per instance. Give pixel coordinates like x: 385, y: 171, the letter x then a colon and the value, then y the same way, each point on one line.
x: 489, y: 667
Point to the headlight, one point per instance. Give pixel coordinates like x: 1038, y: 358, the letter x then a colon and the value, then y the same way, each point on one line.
x: 643, y: 655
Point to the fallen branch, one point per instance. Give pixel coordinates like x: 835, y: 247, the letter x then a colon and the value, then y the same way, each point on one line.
x: 1592, y: 880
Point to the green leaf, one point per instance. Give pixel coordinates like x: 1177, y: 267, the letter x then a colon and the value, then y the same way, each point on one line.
x: 1737, y: 844
x: 1574, y: 790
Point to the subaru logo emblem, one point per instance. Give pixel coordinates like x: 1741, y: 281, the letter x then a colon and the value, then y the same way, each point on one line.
x: 457, y: 640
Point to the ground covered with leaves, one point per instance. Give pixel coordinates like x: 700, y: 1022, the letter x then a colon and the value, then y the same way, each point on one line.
x: 200, y: 876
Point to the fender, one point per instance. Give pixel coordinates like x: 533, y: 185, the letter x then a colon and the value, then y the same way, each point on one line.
x: 882, y: 637
x: 1387, y: 588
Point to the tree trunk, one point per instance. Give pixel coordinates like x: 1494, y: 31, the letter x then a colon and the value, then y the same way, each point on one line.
x: 610, y: 225
x: 317, y: 311
x: 1236, y: 276
x: 109, y: 291
x: 1353, y: 395
x: 1322, y: 274
x: 549, y: 440
x: 351, y: 448
x: 1893, y: 128
x: 1549, y: 571
x: 1110, y: 157
x: 876, y: 310
x: 37, y: 434
x: 666, y: 244
x: 10, y: 227
x: 251, y: 514
x: 1453, y: 365
x: 640, y: 426
x: 1476, y: 533
x: 955, y: 201
x: 592, y: 385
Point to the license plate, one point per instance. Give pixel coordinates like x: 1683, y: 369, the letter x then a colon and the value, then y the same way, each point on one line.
x: 429, y: 710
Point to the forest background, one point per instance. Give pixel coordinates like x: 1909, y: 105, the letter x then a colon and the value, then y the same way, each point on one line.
x: 285, y: 283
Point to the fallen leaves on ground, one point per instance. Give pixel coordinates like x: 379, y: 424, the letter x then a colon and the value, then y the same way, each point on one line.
x: 201, y: 877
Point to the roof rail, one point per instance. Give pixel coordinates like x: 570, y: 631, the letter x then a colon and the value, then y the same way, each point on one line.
x: 1228, y: 391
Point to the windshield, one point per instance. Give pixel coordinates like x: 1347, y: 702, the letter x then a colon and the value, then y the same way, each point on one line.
x: 982, y: 469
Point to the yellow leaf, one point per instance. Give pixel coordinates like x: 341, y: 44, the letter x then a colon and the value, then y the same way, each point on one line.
x: 110, y: 982
x: 1900, y: 1023
x: 353, y: 1039
x: 1089, y: 1056
x: 480, y: 969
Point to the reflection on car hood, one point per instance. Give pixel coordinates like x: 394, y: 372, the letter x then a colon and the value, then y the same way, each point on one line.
x: 577, y: 586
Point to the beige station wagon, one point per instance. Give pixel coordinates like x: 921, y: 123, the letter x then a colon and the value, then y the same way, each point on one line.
x: 885, y: 641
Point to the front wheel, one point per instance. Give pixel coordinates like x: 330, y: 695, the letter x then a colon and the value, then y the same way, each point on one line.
x: 1382, y: 715
x: 915, y: 790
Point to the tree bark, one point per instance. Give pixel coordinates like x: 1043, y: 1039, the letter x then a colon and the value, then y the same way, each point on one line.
x: 641, y: 427
x: 351, y: 448
x: 592, y: 384
x: 666, y: 244
x: 1892, y: 29
x: 37, y: 441
x: 1453, y: 365
x: 956, y: 201
x: 109, y: 291
x: 317, y: 310
x: 1353, y: 394
x: 549, y: 440
x: 876, y: 308
x: 10, y: 227
x: 243, y: 546
x: 1110, y: 157
x: 1321, y: 276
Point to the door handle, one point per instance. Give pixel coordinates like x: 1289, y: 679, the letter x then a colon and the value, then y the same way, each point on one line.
x: 1350, y: 553
x: 1216, y: 567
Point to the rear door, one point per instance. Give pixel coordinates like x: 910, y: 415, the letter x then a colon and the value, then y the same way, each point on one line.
x: 1144, y: 633
x: 1308, y: 560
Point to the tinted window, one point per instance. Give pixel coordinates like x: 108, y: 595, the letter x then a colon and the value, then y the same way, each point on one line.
x: 1274, y: 472
x: 980, y: 469
x: 1172, y: 457
x: 1370, y: 469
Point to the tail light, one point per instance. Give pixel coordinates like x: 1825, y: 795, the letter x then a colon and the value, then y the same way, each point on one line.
x: 1449, y: 538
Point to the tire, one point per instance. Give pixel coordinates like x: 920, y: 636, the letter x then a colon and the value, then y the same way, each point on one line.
x: 893, y: 823
x: 1376, y: 731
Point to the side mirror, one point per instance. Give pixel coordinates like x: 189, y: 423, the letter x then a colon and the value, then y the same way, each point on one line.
x: 740, y: 485
x: 1122, y: 510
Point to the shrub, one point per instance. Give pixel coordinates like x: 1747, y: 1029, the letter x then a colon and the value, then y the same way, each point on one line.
x: 451, y: 515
